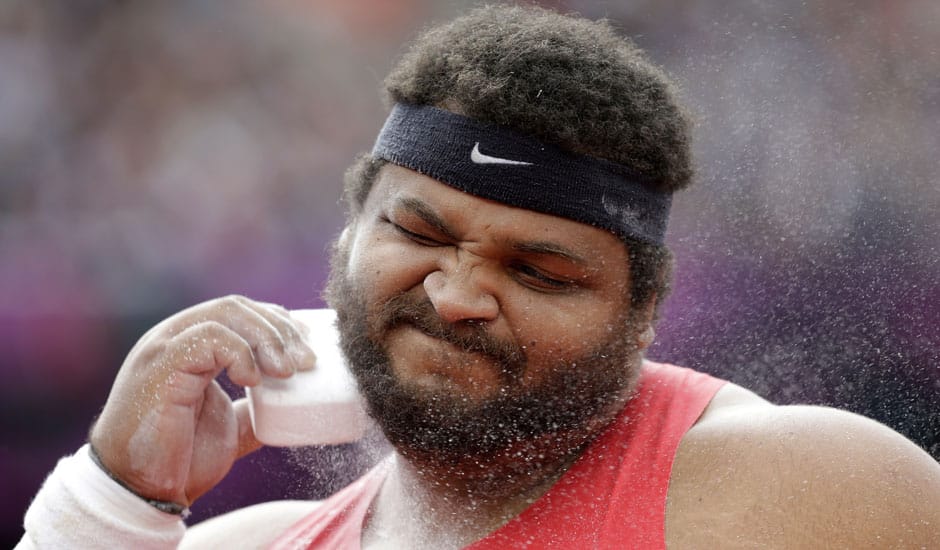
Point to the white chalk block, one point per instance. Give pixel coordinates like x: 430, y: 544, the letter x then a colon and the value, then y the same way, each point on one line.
x: 316, y: 407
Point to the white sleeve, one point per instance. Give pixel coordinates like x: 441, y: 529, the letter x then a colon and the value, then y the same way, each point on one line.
x: 80, y: 507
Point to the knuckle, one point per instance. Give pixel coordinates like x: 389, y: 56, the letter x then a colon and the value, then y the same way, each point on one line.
x: 277, y: 308
x: 232, y: 301
x: 205, y: 329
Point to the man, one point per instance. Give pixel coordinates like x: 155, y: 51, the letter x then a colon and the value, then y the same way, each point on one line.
x: 496, y: 286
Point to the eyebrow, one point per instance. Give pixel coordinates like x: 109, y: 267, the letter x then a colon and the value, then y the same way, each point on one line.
x: 429, y: 216
x: 550, y: 249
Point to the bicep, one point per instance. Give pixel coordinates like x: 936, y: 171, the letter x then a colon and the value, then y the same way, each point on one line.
x: 803, y: 477
x: 876, y: 487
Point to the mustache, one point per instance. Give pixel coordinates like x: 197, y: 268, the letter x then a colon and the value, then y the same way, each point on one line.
x: 404, y: 309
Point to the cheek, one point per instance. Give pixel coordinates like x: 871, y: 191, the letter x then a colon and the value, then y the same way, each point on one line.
x: 383, y: 267
x: 565, y: 333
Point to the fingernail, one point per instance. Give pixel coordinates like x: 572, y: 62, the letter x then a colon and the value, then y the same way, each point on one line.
x: 303, y: 356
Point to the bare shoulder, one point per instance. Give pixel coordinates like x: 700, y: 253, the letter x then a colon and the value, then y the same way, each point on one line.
x: 251, y: 527
x: 751, y: 474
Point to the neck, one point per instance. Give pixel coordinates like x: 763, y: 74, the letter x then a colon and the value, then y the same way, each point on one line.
x: 462, y: 499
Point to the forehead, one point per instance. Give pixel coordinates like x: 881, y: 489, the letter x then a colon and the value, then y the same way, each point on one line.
x: 477, y: 219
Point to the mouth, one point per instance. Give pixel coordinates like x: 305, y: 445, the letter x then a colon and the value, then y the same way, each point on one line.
x: 414, y: 313
x: 472, y: 339
x: 457, y: 352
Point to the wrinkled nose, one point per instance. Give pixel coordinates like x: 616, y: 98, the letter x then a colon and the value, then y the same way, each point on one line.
x: 457, y: 297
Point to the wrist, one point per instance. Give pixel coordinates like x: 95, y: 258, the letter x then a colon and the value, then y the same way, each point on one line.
x: 164, y: 506
x: 80, y: 506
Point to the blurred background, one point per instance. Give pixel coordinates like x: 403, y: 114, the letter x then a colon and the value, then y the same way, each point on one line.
x: 157, y: 154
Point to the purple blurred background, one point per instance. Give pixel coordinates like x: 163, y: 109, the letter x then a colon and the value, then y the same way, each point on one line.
x: 156, y: 154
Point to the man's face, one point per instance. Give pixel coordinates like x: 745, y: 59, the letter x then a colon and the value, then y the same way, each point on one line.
x: 473, y: 326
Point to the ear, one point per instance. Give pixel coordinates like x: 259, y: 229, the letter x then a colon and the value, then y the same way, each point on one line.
x: 345, y: 236
x: 348, y: 235
x: 645, y: 338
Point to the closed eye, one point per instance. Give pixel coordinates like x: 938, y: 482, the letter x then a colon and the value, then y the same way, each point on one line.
x: 416, y: 237
x: 534, y: 278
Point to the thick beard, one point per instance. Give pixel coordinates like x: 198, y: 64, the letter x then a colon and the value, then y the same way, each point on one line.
x: 563, y: 409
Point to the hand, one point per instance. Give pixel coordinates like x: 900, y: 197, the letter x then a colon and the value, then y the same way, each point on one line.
x: 168, y: 430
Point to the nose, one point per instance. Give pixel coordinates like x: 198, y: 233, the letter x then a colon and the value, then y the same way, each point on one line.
x: 456, y: 296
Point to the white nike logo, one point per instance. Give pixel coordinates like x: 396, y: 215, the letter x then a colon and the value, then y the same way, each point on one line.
x: 479, y: 158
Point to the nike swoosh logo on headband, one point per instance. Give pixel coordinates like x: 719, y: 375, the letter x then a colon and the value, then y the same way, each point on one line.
x: 479, y: 158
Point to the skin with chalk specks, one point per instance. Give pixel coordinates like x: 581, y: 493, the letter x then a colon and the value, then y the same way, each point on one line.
x: 168, y: 430
x: 747, y: 475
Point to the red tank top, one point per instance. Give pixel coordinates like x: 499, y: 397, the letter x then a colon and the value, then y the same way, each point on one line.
x: 613, y: 496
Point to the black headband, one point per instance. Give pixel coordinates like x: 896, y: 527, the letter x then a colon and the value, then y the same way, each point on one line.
x: 498, y: 164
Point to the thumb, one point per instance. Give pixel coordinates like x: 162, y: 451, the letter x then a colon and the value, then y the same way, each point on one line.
x: 247, y: 442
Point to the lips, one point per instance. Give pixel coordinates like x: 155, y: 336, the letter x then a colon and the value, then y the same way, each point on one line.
x: 404, y: 310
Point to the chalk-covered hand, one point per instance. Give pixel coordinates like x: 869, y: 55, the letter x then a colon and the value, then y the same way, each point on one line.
x: 168, y: 430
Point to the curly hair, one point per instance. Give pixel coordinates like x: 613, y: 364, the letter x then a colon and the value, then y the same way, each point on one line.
x: 563, y: 80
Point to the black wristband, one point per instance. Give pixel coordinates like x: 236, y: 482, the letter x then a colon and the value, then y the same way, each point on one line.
x: 162, y: 505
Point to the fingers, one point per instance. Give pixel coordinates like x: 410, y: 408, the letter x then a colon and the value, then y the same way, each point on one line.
x: 294, y: 333
x: 215, y: 442
x: 208, y: 347
x: 275, y: 341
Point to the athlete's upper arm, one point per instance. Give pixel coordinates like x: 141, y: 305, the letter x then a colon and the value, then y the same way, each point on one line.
x: 800, y: 477
x: 252, y: 527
